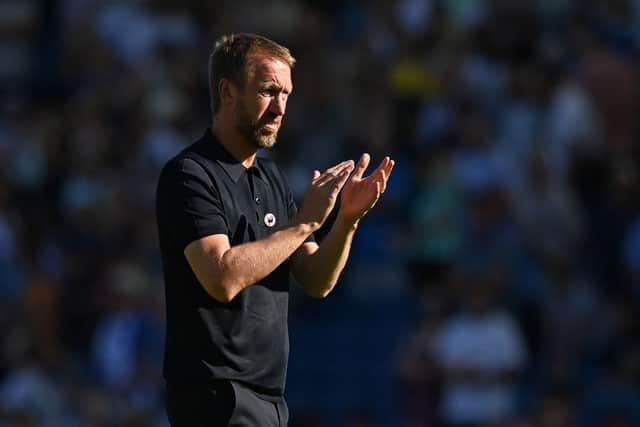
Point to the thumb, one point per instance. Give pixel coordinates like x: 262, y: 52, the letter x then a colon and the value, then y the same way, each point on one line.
x: 316, y: 175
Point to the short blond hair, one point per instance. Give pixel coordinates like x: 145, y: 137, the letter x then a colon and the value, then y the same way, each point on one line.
x: 230, y: 56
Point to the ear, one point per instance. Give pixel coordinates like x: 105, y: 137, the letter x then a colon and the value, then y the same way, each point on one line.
x: 228, y: 92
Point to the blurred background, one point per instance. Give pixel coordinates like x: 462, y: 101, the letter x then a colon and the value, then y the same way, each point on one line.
x: 497, y: 283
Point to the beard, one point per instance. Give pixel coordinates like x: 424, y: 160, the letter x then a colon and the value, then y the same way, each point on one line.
x: 253, y: 131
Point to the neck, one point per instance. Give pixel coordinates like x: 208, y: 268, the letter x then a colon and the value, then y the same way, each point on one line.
x: 234, y: 142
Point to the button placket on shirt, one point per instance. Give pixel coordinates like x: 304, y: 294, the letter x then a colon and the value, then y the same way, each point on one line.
x: 258, y: 198
x: 263, y: 203
x: 258, y: 202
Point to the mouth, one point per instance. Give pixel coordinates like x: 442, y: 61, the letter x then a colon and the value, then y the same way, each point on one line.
x: 272, y: 126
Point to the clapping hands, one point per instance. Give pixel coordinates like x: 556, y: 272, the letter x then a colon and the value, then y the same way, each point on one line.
x: 359, y: 194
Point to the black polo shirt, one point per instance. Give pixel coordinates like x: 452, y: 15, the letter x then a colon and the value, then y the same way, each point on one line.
x: 204, y: 191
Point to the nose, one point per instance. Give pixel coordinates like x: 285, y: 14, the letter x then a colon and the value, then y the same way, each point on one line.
x: 278, y: 104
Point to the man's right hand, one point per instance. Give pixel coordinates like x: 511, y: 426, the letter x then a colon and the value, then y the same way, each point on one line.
x: 322, y: 193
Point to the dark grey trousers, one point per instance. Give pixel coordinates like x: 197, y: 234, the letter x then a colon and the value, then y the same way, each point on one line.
x: 223, y: 404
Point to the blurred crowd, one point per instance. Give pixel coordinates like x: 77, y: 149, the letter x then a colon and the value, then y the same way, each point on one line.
x: 496, y: 284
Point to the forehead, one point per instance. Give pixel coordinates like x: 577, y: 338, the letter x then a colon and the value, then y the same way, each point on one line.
x: 263, y: 69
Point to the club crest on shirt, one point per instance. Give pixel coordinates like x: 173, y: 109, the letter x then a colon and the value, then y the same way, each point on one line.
x: 269, y: 220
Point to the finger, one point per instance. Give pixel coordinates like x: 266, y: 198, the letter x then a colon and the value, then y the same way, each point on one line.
x: 378, y: 174
x: 329, y: 177
x: 389, y: 168
x: 337, y: 168
x: 383, y: 182
x: 333, y: 174
x: 339, y: 182
x: 330, y: 171
x: 362, y: 165
x: 383, y: 165
x: 386, y: 173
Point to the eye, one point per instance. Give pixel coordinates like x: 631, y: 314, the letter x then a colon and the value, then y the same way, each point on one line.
x: 270, y: 92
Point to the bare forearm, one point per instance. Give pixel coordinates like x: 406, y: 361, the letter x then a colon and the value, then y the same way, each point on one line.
x: 241, y: 266
x: 318, y: 273
x: 251, y: 262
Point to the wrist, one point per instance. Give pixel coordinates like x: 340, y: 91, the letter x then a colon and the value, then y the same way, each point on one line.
x: 307, y: 227
x: 345, y: 224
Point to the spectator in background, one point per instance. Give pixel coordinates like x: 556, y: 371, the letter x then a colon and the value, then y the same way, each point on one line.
x: 556, y: 409
x: 481, y: 351
x: 436, y: 214
x: 545, y: 211
x: 419, y: 374
x: 9, y: 266
x: 128, y: 340
x: 570, y: 307
x: 29, y: 393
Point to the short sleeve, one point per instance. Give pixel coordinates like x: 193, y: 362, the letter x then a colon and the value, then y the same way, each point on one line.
x: 189, y: 205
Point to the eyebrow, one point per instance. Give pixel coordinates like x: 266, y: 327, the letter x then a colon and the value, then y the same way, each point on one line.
x: 273, y: 85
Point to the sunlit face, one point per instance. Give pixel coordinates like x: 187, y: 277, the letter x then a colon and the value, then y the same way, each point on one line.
x: 261, y: 105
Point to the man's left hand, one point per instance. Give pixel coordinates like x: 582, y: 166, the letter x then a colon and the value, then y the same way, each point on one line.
x: 361, y: 194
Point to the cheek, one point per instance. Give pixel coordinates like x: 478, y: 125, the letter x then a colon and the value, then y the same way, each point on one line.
x: 257, y: 107
x: 265, y: 103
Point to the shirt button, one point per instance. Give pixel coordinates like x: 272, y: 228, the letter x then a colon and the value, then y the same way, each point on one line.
x: 258, y: 200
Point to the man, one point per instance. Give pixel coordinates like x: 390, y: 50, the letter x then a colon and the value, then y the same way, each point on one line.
x: 230, y: 234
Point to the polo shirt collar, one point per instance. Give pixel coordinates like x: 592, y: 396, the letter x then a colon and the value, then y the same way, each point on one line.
x: 232, y: 166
